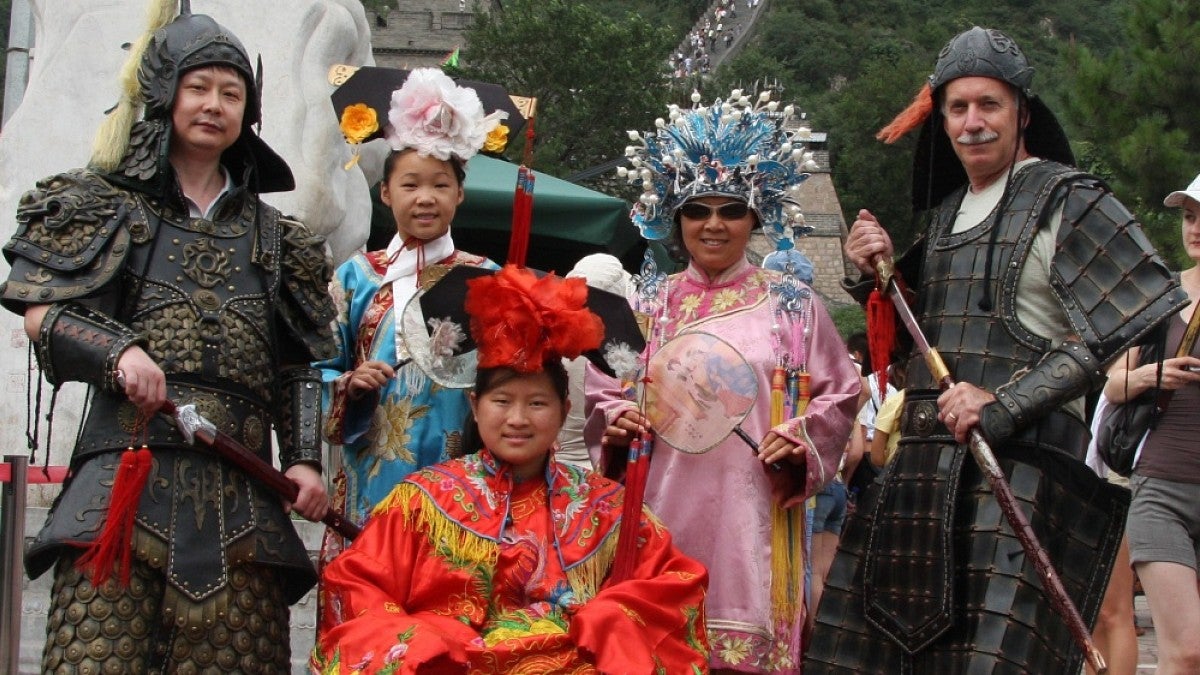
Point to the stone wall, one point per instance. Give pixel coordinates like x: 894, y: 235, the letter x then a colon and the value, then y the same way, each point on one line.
x: 823, y: 246
x: 422, y: 33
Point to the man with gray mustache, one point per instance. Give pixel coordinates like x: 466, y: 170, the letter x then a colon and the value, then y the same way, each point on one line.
x: 1030, y: 277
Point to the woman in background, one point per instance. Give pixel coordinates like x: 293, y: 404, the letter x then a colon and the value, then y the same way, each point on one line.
x: 1163, y: 528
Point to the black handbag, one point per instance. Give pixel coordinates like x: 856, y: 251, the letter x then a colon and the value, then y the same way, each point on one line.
x: 1123, y: 426
x: 864, y: 476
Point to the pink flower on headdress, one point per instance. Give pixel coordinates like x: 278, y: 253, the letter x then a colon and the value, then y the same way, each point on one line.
x: 436, y: 117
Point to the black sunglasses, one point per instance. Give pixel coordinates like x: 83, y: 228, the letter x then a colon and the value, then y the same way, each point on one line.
x: 701, y: 211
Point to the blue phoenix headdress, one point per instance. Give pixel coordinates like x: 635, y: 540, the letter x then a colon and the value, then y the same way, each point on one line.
x: 732, y: 148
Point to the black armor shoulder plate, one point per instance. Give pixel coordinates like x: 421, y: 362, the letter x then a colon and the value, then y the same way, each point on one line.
x: 74, y: 230
x: 145, y: 167
x: 1107, y: 274
x: 304, y: 302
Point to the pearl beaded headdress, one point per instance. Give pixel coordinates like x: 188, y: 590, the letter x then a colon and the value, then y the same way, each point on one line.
x: 735, y: 148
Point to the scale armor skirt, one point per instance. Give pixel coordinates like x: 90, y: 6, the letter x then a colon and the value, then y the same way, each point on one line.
x: 109, y: 630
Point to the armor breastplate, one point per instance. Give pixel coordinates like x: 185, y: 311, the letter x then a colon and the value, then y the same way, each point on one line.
x: 208, y: 297
x: 982, y: 347
x: 193, y: 288
x: 202, y: 301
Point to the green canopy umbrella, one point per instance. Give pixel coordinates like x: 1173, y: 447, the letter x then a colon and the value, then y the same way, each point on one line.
x: 569, y: 221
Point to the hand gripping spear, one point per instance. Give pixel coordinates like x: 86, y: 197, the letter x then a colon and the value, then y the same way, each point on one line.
x: 986, y: 459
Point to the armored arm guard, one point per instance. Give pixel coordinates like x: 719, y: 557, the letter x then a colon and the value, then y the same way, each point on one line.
x: 1115, y: 290
x: 79, y: 344
x: 299, y: 417
x: 1063, y: 374
x: 305, y: 308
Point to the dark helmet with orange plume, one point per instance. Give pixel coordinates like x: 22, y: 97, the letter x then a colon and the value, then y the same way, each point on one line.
x: 977, y: 52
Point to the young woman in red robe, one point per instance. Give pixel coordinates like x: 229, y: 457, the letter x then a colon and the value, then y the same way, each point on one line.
x: 500, y: 561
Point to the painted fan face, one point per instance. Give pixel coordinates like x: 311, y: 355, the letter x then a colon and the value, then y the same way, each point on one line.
x: 703, y: 388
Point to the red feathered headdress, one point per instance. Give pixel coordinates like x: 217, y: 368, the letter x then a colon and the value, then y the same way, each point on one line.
x: 519, y: 321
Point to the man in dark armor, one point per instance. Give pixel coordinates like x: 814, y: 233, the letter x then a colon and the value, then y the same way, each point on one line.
x: 1032, y: 277
x: 157, y: 273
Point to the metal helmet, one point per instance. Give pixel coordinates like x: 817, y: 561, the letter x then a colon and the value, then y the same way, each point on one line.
x: 979, y: 52
x: 192, y: 41
x: 982, y: 52
x: 135, y: 153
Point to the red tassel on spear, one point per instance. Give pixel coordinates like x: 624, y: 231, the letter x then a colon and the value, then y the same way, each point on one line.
x: 881, y: 330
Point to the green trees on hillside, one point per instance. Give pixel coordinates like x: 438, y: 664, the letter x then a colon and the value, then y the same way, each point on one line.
x: 868, y: 173
x: 595, y: 74
x: 1136, y: 114
x: 376, y: 5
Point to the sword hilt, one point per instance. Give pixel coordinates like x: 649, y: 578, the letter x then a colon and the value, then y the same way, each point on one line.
x: 187, y: 418
x: 885, y: 269
x: 192, y: 424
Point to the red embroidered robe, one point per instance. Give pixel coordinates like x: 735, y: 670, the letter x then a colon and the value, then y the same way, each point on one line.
x: 463, y: 570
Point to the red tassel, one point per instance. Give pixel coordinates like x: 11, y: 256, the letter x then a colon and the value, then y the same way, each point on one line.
x: 881, y: 336
x: 115, y: 538
x: 522, y: 222
x: 527, y: 214
x: 803, y: 393
x: 625, y: 559
x: 518, y: 243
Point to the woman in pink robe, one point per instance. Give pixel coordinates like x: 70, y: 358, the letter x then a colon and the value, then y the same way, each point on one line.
x: 738, y: 510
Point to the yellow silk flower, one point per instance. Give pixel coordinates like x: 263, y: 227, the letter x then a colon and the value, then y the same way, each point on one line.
x: 497, y: 139
x: 358, y: 122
